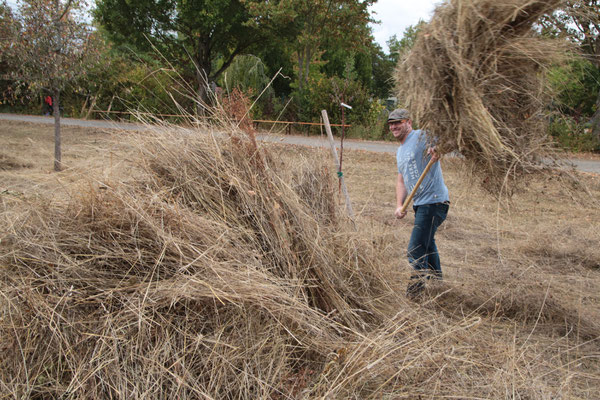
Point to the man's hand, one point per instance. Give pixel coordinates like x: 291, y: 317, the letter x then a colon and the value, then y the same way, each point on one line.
x: 399, y: 214
x: 434, y: 155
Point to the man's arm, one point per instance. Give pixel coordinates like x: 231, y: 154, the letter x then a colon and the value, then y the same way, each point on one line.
x: 400, y: 196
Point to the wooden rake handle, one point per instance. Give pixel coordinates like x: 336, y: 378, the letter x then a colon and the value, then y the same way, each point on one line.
x: 412, y: 193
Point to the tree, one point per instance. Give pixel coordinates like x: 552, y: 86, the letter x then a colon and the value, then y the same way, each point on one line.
x: 191, y: 34
x: 399, y: 46
x: 382, y: 69
x: 6, y: 21
x: 308, y: 24
x: 49, y: 46
x: 576, y: 85
x: 247, y: 75
x: 579, y: 20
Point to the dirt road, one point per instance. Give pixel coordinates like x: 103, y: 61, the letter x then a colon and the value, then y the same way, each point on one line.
x: 592, y: 166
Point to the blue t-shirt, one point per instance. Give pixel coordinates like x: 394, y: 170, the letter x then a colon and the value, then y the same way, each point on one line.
x: 412, y: 158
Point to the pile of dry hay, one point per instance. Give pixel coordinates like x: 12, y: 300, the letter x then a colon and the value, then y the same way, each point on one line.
x: 473, y: 80
x: 218, y: 272
x: 222, y: 272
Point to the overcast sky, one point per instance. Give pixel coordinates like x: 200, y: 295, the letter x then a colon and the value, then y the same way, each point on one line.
x: 397, y: 15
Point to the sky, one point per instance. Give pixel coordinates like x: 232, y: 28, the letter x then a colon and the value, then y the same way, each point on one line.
x: 397, y: 15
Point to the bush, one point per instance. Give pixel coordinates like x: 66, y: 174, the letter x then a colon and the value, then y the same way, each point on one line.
x: 573, y: 136
x: 576, y: 85
x: 374, y: 127
x: 325, y: 93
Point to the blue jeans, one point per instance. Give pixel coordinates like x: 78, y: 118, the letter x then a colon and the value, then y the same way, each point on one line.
x: 422, y: 252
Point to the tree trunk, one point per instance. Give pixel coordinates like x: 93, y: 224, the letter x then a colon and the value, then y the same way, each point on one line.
x: 202, y: 100
x: 83, y: 107
x: 110, y: 106
x: 307, y: 61
x: 300, y: 70
x: 595, y: 120
x: 57, y: 150
x: 304, y: 57
x: 94, y: 98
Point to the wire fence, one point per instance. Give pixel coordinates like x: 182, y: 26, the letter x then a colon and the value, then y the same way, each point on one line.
x: 285, y: 125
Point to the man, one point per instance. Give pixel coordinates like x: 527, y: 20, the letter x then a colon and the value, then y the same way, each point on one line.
x: 431, y: 201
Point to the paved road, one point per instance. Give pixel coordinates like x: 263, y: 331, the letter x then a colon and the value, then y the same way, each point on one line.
x: 73, y: 122
x: 592, y: 166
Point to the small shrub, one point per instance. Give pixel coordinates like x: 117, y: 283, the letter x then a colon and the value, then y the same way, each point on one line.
x: 573, y: 136
x: 374, y: 126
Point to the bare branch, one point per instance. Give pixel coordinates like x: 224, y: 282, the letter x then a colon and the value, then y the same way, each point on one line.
x: 66, y: 10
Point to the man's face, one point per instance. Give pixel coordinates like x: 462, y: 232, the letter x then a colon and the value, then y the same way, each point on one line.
x: 400, y: 129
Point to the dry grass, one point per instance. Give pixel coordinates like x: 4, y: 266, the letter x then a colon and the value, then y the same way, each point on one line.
x: 194, y: 267
x: 474, y: 80
x: 8, y: 163
x: 31, y: 147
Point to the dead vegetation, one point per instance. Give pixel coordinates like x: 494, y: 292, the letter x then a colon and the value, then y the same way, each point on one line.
x: 210, y: 273
x: 204, y: 267
x: 474, y: 81
x: 8, y: 163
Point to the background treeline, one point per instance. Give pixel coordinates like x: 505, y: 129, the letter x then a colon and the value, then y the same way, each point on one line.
x: 168, y: 57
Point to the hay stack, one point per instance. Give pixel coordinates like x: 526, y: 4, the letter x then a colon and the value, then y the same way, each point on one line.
x: 216, y: 273
x: 474, y: 81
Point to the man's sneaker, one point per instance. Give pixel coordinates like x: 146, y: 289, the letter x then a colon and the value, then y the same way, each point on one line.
x: 415, y: 288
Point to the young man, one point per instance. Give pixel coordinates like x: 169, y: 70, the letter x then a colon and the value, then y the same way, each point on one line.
x: 431, y: 201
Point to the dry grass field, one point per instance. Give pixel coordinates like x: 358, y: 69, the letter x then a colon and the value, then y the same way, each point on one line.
x: 123, y: 277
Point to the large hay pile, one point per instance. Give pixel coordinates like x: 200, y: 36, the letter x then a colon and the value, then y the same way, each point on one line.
x: 217, y: 271
x: 474, y: 81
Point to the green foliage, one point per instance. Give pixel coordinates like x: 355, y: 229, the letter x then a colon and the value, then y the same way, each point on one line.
x: 49, y: 44
x: 576, y: 85
x: 125, y: 83
x: 152, y: 50
x: 400, y: 46
x: 275, y: 56
x: 246, y: 73
x: 326, y: 93
x: 49, y: 48
x: 8, y: 91
x: 382, y: 68
x: 375, y: 125
x: 121, y: 82
x: 313, y: 27
x: 6, y: 23
x: 190, y: 34
x: 579, y: 22
x: 573, y: 136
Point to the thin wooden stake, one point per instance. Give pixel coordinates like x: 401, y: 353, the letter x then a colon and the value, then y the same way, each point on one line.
x: 337, y: 162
